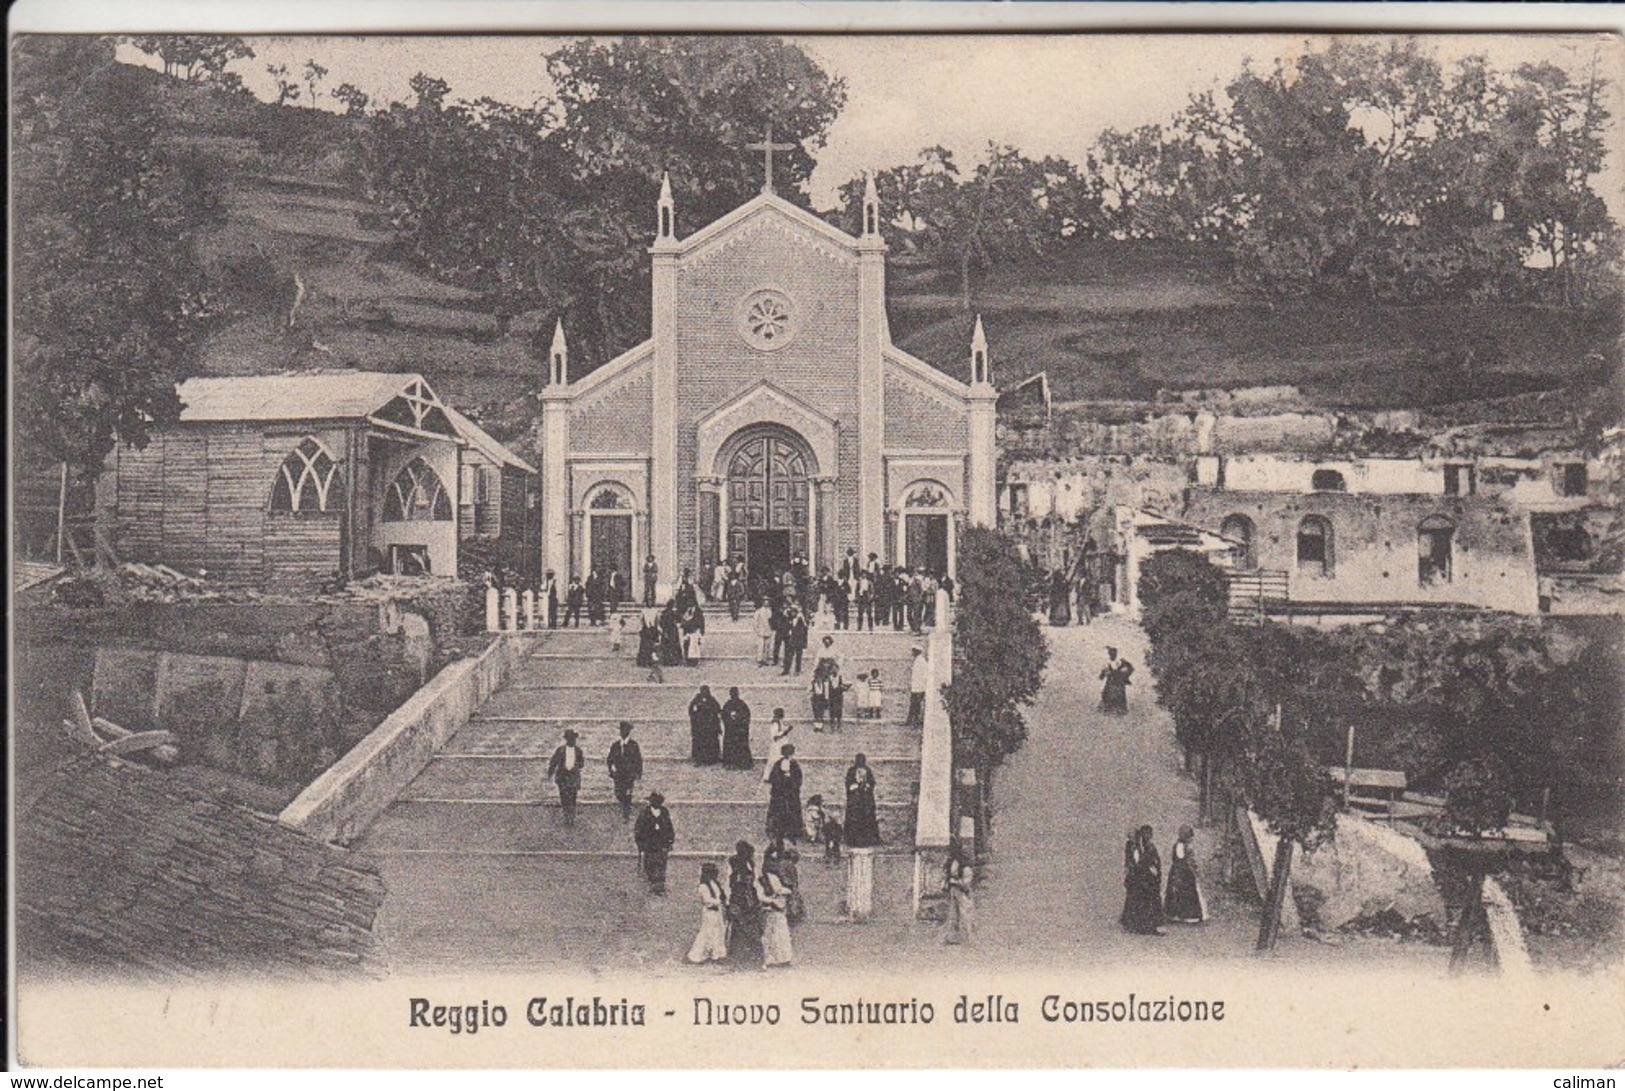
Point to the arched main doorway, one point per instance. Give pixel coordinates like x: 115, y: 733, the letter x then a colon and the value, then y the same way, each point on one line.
x: 767, y: 507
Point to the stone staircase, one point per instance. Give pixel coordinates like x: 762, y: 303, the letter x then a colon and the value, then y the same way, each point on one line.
x: 484, y: 792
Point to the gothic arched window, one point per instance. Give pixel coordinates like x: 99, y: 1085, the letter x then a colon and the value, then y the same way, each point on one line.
x: 308, y: 480
x: 1315, y: 551
x: 416, y: 495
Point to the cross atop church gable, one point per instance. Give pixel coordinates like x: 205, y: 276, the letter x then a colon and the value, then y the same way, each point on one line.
x: 767, y: 148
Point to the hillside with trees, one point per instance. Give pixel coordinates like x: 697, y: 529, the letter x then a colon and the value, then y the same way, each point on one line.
x: 1366, y: 224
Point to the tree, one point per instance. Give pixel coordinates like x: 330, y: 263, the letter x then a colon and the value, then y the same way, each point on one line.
x: 287, y: 88
x: 192, y: 57
x: 109, y: 302
x: 354, y: 100
x: 999, y: 651
x: 631, y: 109
x: 479, y: 194
x: 314, y: 74
x: 1010, y: 207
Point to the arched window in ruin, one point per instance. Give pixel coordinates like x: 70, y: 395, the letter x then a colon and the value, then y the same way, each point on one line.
x: 1435, y: 550
x: 1239, y: 529
x: 1328, y: 481
x: 1315, y: 547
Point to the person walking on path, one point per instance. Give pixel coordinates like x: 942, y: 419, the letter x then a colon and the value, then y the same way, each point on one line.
x: 1142, y: 881
x: 1116, y: 674
x: 705, y: 728
x: 784, y: 802
x: 654, y: 835
x: 625, y: 761
x: 919, y: 680
x: 775, y: 899
x: 958, y: 877
x: 564, y: 770
x: 1184, y: 902
x: 736, y: 732
x: 862, y: 820
x: 744, y: 907
x: 711, y: 943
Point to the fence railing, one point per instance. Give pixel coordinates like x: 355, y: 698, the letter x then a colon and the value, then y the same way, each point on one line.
x: 1252, y: 594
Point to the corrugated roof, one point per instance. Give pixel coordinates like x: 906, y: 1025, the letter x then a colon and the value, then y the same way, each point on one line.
x: 305, y: 396
x: 485, y: 443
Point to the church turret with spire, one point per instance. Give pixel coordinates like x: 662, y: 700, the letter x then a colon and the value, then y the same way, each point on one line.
x: 768, y: 415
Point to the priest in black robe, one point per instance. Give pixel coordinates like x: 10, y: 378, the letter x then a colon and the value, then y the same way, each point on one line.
x: 655, y: 833
x: 705, y: 728
x: 736, y: 732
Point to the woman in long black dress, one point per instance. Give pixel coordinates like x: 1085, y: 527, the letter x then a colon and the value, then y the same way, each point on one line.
x: 784, y: 803
x: 1142, y: 906
x: 648, y: 638
x: 1184, y: 902
x: 862, y: 822
x: 1116, y: 675
x: 1060, y: 598
x: 744, y: 907
x: 705, y: 728
x: 671, y: 638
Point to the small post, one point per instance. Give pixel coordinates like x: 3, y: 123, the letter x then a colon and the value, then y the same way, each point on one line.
x: 510, y: 609
x: 860, y: 884
x: 1348, y: 765
x: 530, y: 608
x: 493, y: 615
x: 1545, y: 804
x: 61, y: 511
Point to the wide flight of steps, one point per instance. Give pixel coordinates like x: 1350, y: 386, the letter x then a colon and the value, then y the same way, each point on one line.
x: 485, y: 792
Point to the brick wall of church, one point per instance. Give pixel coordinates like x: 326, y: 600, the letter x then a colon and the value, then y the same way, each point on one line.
x: 616, y: 417
x: 917, y: 417
x: 819, y: 364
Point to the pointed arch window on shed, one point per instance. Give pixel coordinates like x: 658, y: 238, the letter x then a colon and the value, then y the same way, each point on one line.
x: 308, y: 480
x: 416, y: 495
x: 1315, y: 553
x: 1435, y: 548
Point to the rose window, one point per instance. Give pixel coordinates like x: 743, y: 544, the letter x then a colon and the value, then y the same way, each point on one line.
x: 764, y: 319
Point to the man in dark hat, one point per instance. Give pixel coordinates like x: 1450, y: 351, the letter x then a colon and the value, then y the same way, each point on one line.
x: 625, y: 768
x: 564, y: 769
x: 655, y: 834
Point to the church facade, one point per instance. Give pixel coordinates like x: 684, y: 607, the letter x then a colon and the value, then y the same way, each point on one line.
x: 768, y: 415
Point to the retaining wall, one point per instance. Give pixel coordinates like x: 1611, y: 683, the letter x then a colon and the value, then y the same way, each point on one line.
x: 339, y: 805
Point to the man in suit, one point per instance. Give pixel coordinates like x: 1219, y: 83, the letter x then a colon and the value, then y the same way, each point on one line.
x: 550, y: 592
x: 625, y: 768
x: 795, y: 639
x: 564, y: 769
x: 655, y: 834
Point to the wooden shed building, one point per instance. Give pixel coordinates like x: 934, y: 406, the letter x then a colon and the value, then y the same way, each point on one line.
x: 497, y: 497
x: 288, y: 481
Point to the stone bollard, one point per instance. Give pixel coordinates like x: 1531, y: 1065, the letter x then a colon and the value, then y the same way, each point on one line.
x: 493, y: 617
x: 530, y: 609
x: 510, y: 609
x: 860, y: 884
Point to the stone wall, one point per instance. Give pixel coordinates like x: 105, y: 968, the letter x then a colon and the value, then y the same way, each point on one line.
x: 340, y: 804
x: 1374, y: 546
